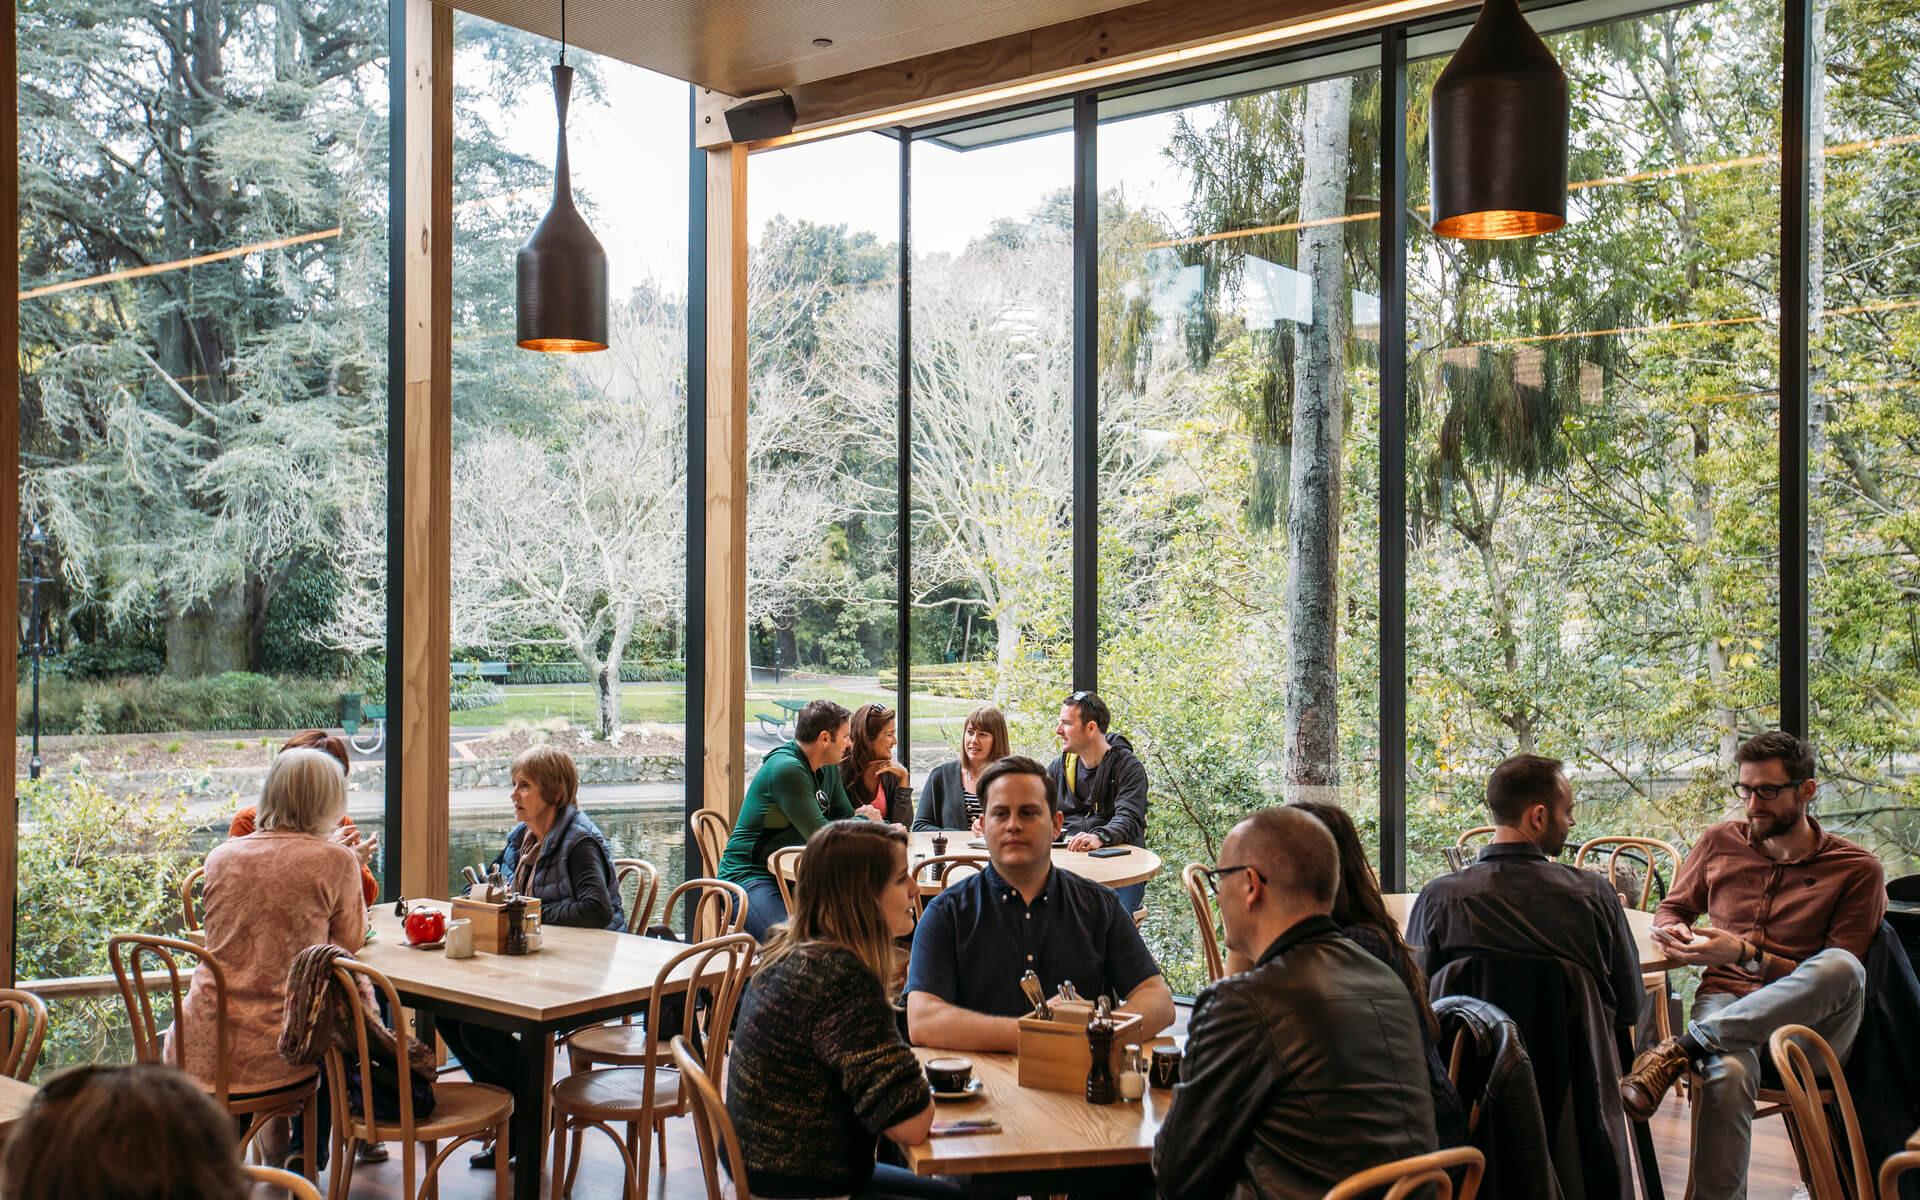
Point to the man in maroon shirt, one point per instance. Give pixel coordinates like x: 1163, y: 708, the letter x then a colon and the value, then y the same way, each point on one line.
x: 1793, y: 909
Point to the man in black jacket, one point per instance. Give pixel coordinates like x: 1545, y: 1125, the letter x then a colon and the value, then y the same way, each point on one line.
x: 1308, y: 1067
x: 1100, y: 788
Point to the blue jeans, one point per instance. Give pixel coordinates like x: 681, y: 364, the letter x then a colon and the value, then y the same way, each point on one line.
x: 765, y: 908
x: 898, y: 1183
x: 1131, y: 897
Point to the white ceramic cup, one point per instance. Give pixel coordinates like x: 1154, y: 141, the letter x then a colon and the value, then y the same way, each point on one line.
x: 460, y: 938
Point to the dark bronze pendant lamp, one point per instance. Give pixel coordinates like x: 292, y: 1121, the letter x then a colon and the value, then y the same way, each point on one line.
x: 561, y: 304
x: 1498, y: 135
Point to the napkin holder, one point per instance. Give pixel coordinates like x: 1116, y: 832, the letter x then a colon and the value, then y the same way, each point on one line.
x: 1054, y: 1055
x: 490, y: 922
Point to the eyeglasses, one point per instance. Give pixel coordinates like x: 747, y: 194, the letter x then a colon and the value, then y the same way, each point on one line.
x: 1766, y: 791
x: 1215, y: 874
x: 1078, y: 697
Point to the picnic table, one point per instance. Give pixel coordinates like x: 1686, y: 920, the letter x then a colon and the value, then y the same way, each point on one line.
x: 779, y: 724
x: 579, y: 977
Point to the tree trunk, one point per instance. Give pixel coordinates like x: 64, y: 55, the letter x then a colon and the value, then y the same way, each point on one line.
x: 606, y: 686
x: 1319, y: 420
x: 211, y: 636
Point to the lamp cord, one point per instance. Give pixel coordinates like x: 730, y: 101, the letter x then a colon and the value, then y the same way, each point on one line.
x: 563, y: 32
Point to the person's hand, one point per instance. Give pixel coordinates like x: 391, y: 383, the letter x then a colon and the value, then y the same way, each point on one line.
x: 365, y: 848
x: 1710, y: 947
x: 1080, y: 843
x: 978, y: 828
x: 868, y: 812
x: 349, y: 836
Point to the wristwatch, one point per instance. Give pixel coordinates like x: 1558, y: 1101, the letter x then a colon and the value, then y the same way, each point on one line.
x: 1752, y: 963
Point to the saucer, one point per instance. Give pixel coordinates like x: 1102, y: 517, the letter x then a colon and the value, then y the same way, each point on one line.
x: 975, y: 1088
x: 425, y: 945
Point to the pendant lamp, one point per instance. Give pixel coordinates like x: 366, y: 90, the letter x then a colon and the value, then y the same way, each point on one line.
x: 1498, y: 135
x: 561, y: 302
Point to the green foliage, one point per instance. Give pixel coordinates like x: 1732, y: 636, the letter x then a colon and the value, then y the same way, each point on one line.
x: 163, y: 704
x: 93, y: 864
x: 297, y: 616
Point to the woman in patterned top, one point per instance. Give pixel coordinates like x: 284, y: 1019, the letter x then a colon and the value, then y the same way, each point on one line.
x: 951, y: 799
x: 818, y: 1070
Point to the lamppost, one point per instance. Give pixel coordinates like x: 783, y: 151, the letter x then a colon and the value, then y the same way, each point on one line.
x: 36, y: 632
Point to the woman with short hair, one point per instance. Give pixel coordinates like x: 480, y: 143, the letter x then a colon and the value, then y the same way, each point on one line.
x: 951, y: 798
x: 818, y: 1070
x: 346, y: 832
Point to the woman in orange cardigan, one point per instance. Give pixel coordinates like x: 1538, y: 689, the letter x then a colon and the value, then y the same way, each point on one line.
x: 347, y: 834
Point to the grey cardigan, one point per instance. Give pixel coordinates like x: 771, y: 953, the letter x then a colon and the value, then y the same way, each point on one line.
x: 943, y: 802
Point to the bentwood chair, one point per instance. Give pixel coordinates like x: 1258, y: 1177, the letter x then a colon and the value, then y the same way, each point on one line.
x: 133, y: 956
x: 1200, y: 893
x: 1644, y: 856
x: 642, y: 1097
x: 779, y: 863
x: 462, y: 1112
x: 946, y: 869
x: 1409, y: 1177
x: 646, y: 890
x: 190, y: 905
x: 24, y: 1029
x: 712, y: 1125
x: 1805, y: 1061
x: 1468, y: 841
x: 1890, y: 1172
x: 286, y: 1181
x: 710, y: 833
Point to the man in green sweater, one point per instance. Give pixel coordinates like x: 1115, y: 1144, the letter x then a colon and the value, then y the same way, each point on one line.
x: 796, y: 790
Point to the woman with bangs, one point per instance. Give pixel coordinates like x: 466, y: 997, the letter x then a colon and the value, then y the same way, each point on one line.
x: 951, y: 799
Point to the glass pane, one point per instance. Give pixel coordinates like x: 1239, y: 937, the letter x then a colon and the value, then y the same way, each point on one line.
x: 1239, y: 337
x: 1864, y: 422
x: 569, y: 471
x: 203, y: 258
x: 1593, y: 558
x: 822, y: 429
x: 992, y: 230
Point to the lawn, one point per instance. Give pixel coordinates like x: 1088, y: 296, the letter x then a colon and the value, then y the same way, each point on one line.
x: 667, y: 702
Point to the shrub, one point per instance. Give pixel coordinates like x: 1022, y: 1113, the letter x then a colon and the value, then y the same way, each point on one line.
x: 162, y: 704
x: 299, y: 608
x: 573, y: 672
x: 93, y: 864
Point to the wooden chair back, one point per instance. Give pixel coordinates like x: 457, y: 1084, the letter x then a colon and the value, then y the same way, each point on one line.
x: 1805, y: 1062
x: 191, y: 908
x: 710, y: 833
x: 136, y: 955
x: 287, y: 1181
x: 348, y: 973
x: 1643, y: 852
x: 1891, y: 1171
x: 712, y: 1125
x: 719, y: 908
x: 1468, y: 840
x: 779, y: 863
x: 946, y: 867
x: 1406, y: 1177
x: 1200, y: 894
x: 646, y: 890
x: 24, y: 1029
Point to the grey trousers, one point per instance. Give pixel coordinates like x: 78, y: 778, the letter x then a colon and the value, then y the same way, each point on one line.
x: 1826, y: 993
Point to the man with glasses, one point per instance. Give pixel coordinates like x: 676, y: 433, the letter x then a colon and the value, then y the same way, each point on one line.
x: 1307, y: 1067
x: 1793, y: 910
x: 1099, y: 786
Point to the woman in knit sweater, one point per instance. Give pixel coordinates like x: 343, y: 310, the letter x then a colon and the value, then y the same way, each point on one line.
x: 818, y: 1070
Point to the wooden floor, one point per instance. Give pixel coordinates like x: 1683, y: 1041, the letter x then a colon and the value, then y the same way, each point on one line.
x: 1773, y: 1176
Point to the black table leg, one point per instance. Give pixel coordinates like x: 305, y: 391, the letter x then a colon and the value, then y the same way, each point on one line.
x: 528, y: 1129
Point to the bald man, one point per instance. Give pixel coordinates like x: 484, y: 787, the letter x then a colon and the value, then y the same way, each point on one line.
x: 1308, y: 1066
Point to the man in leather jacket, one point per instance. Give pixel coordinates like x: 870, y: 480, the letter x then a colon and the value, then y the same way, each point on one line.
x: 1309, y: 1066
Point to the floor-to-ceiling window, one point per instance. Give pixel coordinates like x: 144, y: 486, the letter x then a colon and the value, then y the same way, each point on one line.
x: 1592, y: 474
x: 569, y: 471
x: 203, y: 314
x: 1239, y: 320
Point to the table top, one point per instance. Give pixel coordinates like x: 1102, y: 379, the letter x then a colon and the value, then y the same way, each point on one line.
x: 1652, y: 958
x: 1039, y: 1130
x: 1137, y: 865
x: 14, y: 1098
x: 576, y: 970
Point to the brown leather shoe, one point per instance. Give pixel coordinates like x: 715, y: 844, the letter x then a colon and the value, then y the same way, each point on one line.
x: 1652, y: 1077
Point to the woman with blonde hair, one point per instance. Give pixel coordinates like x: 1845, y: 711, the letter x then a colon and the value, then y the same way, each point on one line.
x: 818, y: 1070
x: 951, y: 800
x: 346, y: 832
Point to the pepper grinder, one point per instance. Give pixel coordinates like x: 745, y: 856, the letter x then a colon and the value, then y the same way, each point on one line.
x: 515, y: 913
x: 1101, y: 1088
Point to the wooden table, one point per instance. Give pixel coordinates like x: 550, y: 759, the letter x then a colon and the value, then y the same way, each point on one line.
x: 579, y: 976
x: 1039, y: 1131
x: 14, y: 1098
x: 1653, y: 959
x: 1136, y: 866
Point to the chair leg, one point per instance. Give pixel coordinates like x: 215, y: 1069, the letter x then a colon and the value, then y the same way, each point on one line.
x: 310, y: 1138
x: 660, y: 1136
x: 344, y: 1154
x: 573, y: 1162
x: 558, y: 1167
x: 502, y: 1162
x: 430, y: 1186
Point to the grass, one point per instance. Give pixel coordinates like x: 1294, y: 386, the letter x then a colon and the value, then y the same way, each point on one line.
x: 667, y: 702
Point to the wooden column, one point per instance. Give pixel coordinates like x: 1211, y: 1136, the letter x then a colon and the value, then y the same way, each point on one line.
x: 426, y: 493
x: 724, y: 766
x: 9, y: 497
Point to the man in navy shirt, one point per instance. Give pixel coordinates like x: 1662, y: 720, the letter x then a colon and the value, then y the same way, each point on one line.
x: 980, y: 935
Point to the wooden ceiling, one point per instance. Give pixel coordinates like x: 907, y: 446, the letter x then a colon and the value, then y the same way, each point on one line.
x: 741, y: 47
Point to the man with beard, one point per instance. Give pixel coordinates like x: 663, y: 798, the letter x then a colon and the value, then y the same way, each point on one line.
x: 1793, y: 910
x: 1517, y: 901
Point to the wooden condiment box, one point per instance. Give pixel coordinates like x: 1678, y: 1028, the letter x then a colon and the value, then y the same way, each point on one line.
x: 1054, y: 1055
x: 490, y: 921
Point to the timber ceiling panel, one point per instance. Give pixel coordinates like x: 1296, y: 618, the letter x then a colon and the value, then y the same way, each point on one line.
x: 741, y: 47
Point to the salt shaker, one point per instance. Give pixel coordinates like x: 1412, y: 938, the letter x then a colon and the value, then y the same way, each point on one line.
x: 1133, y: 1084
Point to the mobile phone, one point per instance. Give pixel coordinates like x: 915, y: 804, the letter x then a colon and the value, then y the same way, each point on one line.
x: 978, y: 845
x: 1109, y: 852
x: 1061, y: 844
x: 970, y: 1125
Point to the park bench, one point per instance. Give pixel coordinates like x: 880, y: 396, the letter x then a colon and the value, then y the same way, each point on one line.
x: 357, y: 715
x: 491, y: 672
